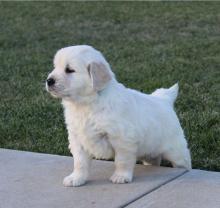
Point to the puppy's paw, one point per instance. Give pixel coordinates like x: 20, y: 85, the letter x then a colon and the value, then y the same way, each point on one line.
x: 74, y: 180
x: 120, y: 178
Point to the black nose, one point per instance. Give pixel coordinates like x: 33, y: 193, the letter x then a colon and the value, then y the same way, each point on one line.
x: 50, y: 82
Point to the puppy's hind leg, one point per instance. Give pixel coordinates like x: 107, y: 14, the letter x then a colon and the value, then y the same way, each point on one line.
x: 179, y: 158
x: 152, y: 161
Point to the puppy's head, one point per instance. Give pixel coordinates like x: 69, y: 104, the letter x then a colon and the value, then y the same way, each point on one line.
x: 79, y: 71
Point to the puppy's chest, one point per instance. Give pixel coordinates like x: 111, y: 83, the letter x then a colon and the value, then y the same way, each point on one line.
x: 83, y: 123
x: 91, y: 134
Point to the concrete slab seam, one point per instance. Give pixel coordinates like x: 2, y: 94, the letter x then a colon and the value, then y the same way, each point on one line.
x: 153, y: 189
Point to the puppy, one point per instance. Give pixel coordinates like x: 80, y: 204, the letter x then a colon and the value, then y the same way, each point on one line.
x: 106, y: 120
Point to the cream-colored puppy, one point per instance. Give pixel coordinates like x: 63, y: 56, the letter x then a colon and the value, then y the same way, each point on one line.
x: 106, y: 120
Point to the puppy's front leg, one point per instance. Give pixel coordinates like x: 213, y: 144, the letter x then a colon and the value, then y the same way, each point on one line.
x: 125, y: 160
x: 82, y: 162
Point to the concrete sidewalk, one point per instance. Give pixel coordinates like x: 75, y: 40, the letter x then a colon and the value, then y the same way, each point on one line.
x: 35, y: 180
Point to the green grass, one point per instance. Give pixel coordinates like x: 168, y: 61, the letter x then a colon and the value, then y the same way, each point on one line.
x: 148, y: 44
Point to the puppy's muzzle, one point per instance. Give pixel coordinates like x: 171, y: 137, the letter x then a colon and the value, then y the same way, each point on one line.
x: 50, y: 82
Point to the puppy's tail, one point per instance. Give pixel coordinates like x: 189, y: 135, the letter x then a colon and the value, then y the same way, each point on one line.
x: 169, y: 94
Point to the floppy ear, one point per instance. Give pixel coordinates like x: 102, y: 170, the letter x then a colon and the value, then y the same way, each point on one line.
x: 99, y: 75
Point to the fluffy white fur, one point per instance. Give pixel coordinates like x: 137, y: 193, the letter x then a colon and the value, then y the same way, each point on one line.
x: 106, y: 120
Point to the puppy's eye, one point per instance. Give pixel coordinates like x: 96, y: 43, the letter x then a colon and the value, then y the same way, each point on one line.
x: 68, y: 70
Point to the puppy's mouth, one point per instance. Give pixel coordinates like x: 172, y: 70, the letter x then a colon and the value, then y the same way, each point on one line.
x: 57, y: 91
x: 52, y: 91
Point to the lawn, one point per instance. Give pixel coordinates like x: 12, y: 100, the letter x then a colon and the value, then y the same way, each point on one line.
x: 148, y: 44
